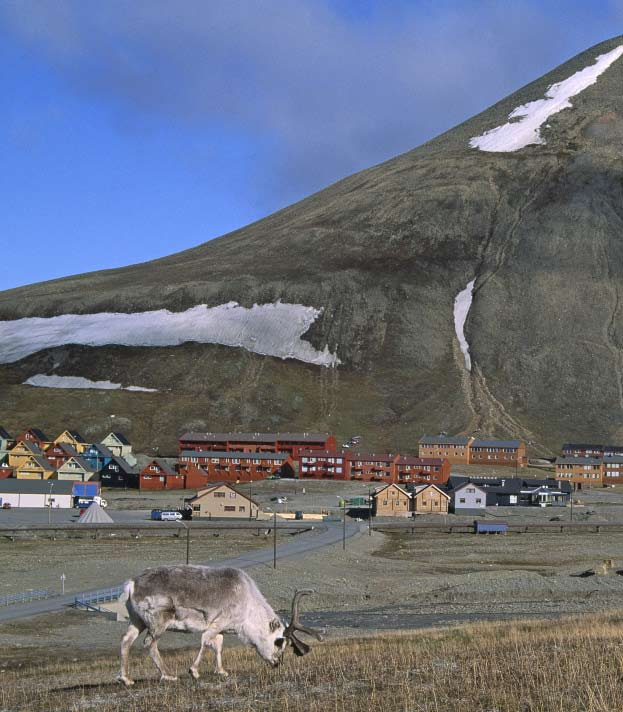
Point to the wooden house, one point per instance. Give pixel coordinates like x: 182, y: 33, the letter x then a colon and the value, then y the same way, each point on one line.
x: 21, y: 451
x: 223, y: 501
x: 221, y: 466
x: 117, y: 472
x: 120, y: 446
x: 158, y: 474
x: 613, y: 470
x: 76, y: 469
x: 34, y: 436
x: 6, y: 442
x: 581, y: 472
x: 36, y: 467
x: 324, y: 465
x: 422, y: 470
x: 429, y: 499
x: 289, y: 443
x: 391, y: 501
x: 455, y: 450
x: 57, y: 454
x: 73, y: 438
x: 97, y: 455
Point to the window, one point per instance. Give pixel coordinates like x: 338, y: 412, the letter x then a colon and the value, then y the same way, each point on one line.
x: 232, y: 495
x: 196, y: 507
x: 219, y: 494
x: 470, y: 490
x: 462, y: 500
x: 241, y: 509
x: 478, y: 500
x: 229, y: 508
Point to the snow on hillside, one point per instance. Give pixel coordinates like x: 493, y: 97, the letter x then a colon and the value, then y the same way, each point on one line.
x: 462, y: 305
x: 43, y: 381
x: 268, y: 329
x: 517, y: 134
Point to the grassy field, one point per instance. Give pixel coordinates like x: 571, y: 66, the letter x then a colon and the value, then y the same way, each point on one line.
x: 524, y: 666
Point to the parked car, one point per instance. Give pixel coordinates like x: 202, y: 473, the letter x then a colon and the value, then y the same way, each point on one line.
x: 279, y: 500
x: 170, y: 516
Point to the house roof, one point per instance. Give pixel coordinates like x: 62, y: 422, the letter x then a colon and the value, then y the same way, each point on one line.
x: 418, y: 489
x: 471, y: 484
x: 119, y: 436
x: 582, y: 446
x: 618, y: 449
x: 372, y: 457
x: 236, y: 455
x: 255, y: 437
x: 380, y: 490
x: 12, y: 485
x: 84, y: 464
x: 613, y: 459
x: 40, y: 461
x: 101, y: 449
x: 163, y: 464
x: 123, y: 465
x: 412, y: 460
x: 578, y: 461
x: 32, y: 448
x: 68, y: 449
x: 443, y: 440
x: 37, y: 433
x: 202, y: 492
x: 73, y: 434
x: 497, y: 443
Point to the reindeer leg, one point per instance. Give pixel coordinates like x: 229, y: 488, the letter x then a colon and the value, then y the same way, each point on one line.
x: 155, y: 656
x: 215, y: 641
x: 126, y: 643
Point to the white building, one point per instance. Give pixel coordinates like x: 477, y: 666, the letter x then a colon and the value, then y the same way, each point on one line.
x: 35, y: 493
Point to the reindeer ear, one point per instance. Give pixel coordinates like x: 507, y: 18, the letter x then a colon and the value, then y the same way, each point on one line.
x: 274, y: 625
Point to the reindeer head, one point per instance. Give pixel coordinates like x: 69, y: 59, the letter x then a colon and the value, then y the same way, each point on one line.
x: 300, y: 648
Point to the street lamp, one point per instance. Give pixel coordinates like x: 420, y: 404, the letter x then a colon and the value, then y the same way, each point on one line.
x: 50, y: 503
x: 370, y: 510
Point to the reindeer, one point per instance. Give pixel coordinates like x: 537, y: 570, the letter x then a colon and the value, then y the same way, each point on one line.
x: 210, y: 601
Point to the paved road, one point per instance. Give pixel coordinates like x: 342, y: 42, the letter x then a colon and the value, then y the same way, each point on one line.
x: 296, y: 546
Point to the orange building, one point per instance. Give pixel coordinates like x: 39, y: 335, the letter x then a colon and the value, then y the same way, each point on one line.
x: 581, y: 472
x: 236, y: 466
x: 422, y: 470
x: 454, y: 450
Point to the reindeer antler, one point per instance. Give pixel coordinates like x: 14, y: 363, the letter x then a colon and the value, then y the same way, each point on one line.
x: 300, y: 648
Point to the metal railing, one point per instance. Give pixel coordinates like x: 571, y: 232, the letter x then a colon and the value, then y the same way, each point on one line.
x: 92, y: 598
x: 27, y: 596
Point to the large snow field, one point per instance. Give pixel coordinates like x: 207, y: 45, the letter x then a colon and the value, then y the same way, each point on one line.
x: 517, y: 134
x: 43, y: 381
x: 267, y: 329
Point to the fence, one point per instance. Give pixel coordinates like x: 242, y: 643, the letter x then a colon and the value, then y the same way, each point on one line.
x: 27, y: 596
x: 92, y: 598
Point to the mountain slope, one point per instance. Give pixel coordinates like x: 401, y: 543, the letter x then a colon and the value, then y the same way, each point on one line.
x: 383, y: 254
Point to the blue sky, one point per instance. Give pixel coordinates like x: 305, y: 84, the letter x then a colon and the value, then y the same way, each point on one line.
x: 131, y: 129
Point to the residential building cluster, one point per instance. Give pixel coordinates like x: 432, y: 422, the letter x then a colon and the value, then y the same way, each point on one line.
x: 590, y: 465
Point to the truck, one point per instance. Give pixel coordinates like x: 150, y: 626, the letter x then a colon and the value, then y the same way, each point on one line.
x: 84, y: 502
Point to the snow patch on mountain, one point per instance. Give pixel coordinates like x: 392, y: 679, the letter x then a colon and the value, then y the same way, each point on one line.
x: 462, y: 305
x: 43, y: 381
x: 267, y: 329
x: 517, y: 134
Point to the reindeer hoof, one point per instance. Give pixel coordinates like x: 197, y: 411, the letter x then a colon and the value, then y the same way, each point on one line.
x: 194, y: 673
x: 125, y: 680
x: 168, y: 678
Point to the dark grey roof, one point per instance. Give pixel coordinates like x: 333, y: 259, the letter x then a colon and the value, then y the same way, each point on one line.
x: 31, y: 447
x: 206, y: 490
x: 617, y: 449
x: 120, y: 437
x: 3, y: 434
x: 12, y: 485
x: 102, y: 449
x: 123, y: 465
x: 582, y: 446
x: 75, y: 435
x: 613, y: 459
x: 236, y: 454
x: 164, y: 466
x: 85, y: 464
x: 443, y: 440
x: 496, y: 443
x: 578, y: 461
x: 66, y: 448
x: 38, y: 433
x: 255, y: 437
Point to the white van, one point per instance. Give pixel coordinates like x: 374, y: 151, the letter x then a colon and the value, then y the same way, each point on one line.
x: 170, y: 516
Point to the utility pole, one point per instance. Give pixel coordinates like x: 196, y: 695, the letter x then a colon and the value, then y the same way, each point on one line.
x: 369, y: 511
x: 343, y: 525
x: 50, y: 503
x: 275, y: 539
x: 250, y: 502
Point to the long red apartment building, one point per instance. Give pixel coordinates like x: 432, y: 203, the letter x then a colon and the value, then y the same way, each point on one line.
x: 371, y: 467
x: 289, y: 443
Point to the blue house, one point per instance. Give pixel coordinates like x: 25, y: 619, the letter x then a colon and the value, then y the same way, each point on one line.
x: 98, y: 456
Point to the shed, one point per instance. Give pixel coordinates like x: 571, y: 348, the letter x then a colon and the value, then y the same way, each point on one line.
x: 36, y: 493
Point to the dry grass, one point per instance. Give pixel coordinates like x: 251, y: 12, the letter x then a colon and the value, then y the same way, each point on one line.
x: 525, y: 667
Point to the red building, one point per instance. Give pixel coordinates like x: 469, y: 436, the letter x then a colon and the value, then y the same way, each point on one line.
x: 223, y: 466
x: 290, y: 443
x: 57, y: 454
x: 324, y: 465
x: 34, y: 436
x: 160, y: 475
x: 422, y: 470
x: 370, y: 467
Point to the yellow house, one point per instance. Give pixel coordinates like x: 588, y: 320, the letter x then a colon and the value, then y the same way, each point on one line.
x: 429, y: 498
x: 223, y: 501
x: 73, y: 438
x: 21, y: 452
x: 35, y: 468
x: 392, y: 501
